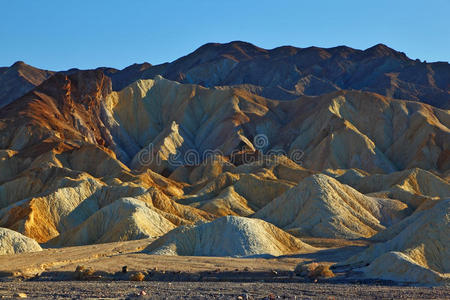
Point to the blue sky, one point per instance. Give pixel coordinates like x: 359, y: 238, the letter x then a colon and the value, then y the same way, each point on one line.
x: 62, y: 34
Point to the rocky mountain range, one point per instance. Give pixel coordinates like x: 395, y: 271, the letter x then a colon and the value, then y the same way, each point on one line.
x: 235, y: 150
x: 283, y: 73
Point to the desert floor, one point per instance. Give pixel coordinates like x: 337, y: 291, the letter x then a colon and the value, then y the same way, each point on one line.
x: 50, y: 273
x: 218, y: 290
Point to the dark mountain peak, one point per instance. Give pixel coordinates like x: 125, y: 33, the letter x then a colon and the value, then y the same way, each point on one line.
x: 232, y: 45
x: 19, y: 64
x: 19, y: 79
x: 26, y: 70
x: 312, y: 55
x: 245, y: 46
x: 342, y: 50
x: 138, y: 67
x: 314, y: 49
x: 121, y: 78
x: 381, y: 46
x: 236, y: 50
x: 285, y: 50
x: 380, y: 50
x: 70, y: 71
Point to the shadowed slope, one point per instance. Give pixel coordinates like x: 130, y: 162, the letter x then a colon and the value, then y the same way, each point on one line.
x: 18, y: 80
x: 287, y: 72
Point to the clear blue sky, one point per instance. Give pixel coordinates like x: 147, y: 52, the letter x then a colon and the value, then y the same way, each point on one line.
x: 62, y: 34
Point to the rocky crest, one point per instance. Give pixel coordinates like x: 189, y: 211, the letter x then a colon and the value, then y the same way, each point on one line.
x: 288, y: 72
x: 18, y: 80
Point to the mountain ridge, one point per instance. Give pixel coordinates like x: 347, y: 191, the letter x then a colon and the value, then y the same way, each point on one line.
x: 287, y: 72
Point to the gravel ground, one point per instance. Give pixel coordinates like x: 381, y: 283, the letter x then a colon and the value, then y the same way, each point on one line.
x: 216, y: 290
x: 50, y: 274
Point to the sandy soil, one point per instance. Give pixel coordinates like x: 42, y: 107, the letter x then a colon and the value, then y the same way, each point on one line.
x: 110, y: 258
x: 51, y: 273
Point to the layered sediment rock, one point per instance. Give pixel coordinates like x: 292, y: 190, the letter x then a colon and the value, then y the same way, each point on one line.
x: 320, y: 206
x: 12, y: 242
x: 229, y: 236
x: 417, y: 249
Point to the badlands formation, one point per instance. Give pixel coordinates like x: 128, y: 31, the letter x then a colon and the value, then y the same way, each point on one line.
x: 215, y: 155
x: 239, y: 236
x: 12, y: 242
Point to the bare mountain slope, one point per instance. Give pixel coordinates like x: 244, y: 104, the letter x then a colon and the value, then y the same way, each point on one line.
x: 418, y: 250
x: 18, y: 80
x: 161, y: 120
x: 58, y: 169
x: 12, y: 242
x: 228, y: 236
x: 288, y: 72
x: 320, y: 206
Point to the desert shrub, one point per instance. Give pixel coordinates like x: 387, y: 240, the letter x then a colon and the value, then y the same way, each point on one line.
x: 137, y: 276
x: 321, y: 271
x: 83, y: 273
x: 313, y: 270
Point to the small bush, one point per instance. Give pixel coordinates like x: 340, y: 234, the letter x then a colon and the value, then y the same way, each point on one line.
x: 321, y: 271
x: 313, y: 270
x: 304, y: 268
x: 137, y: 276
x: 83, y: 273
